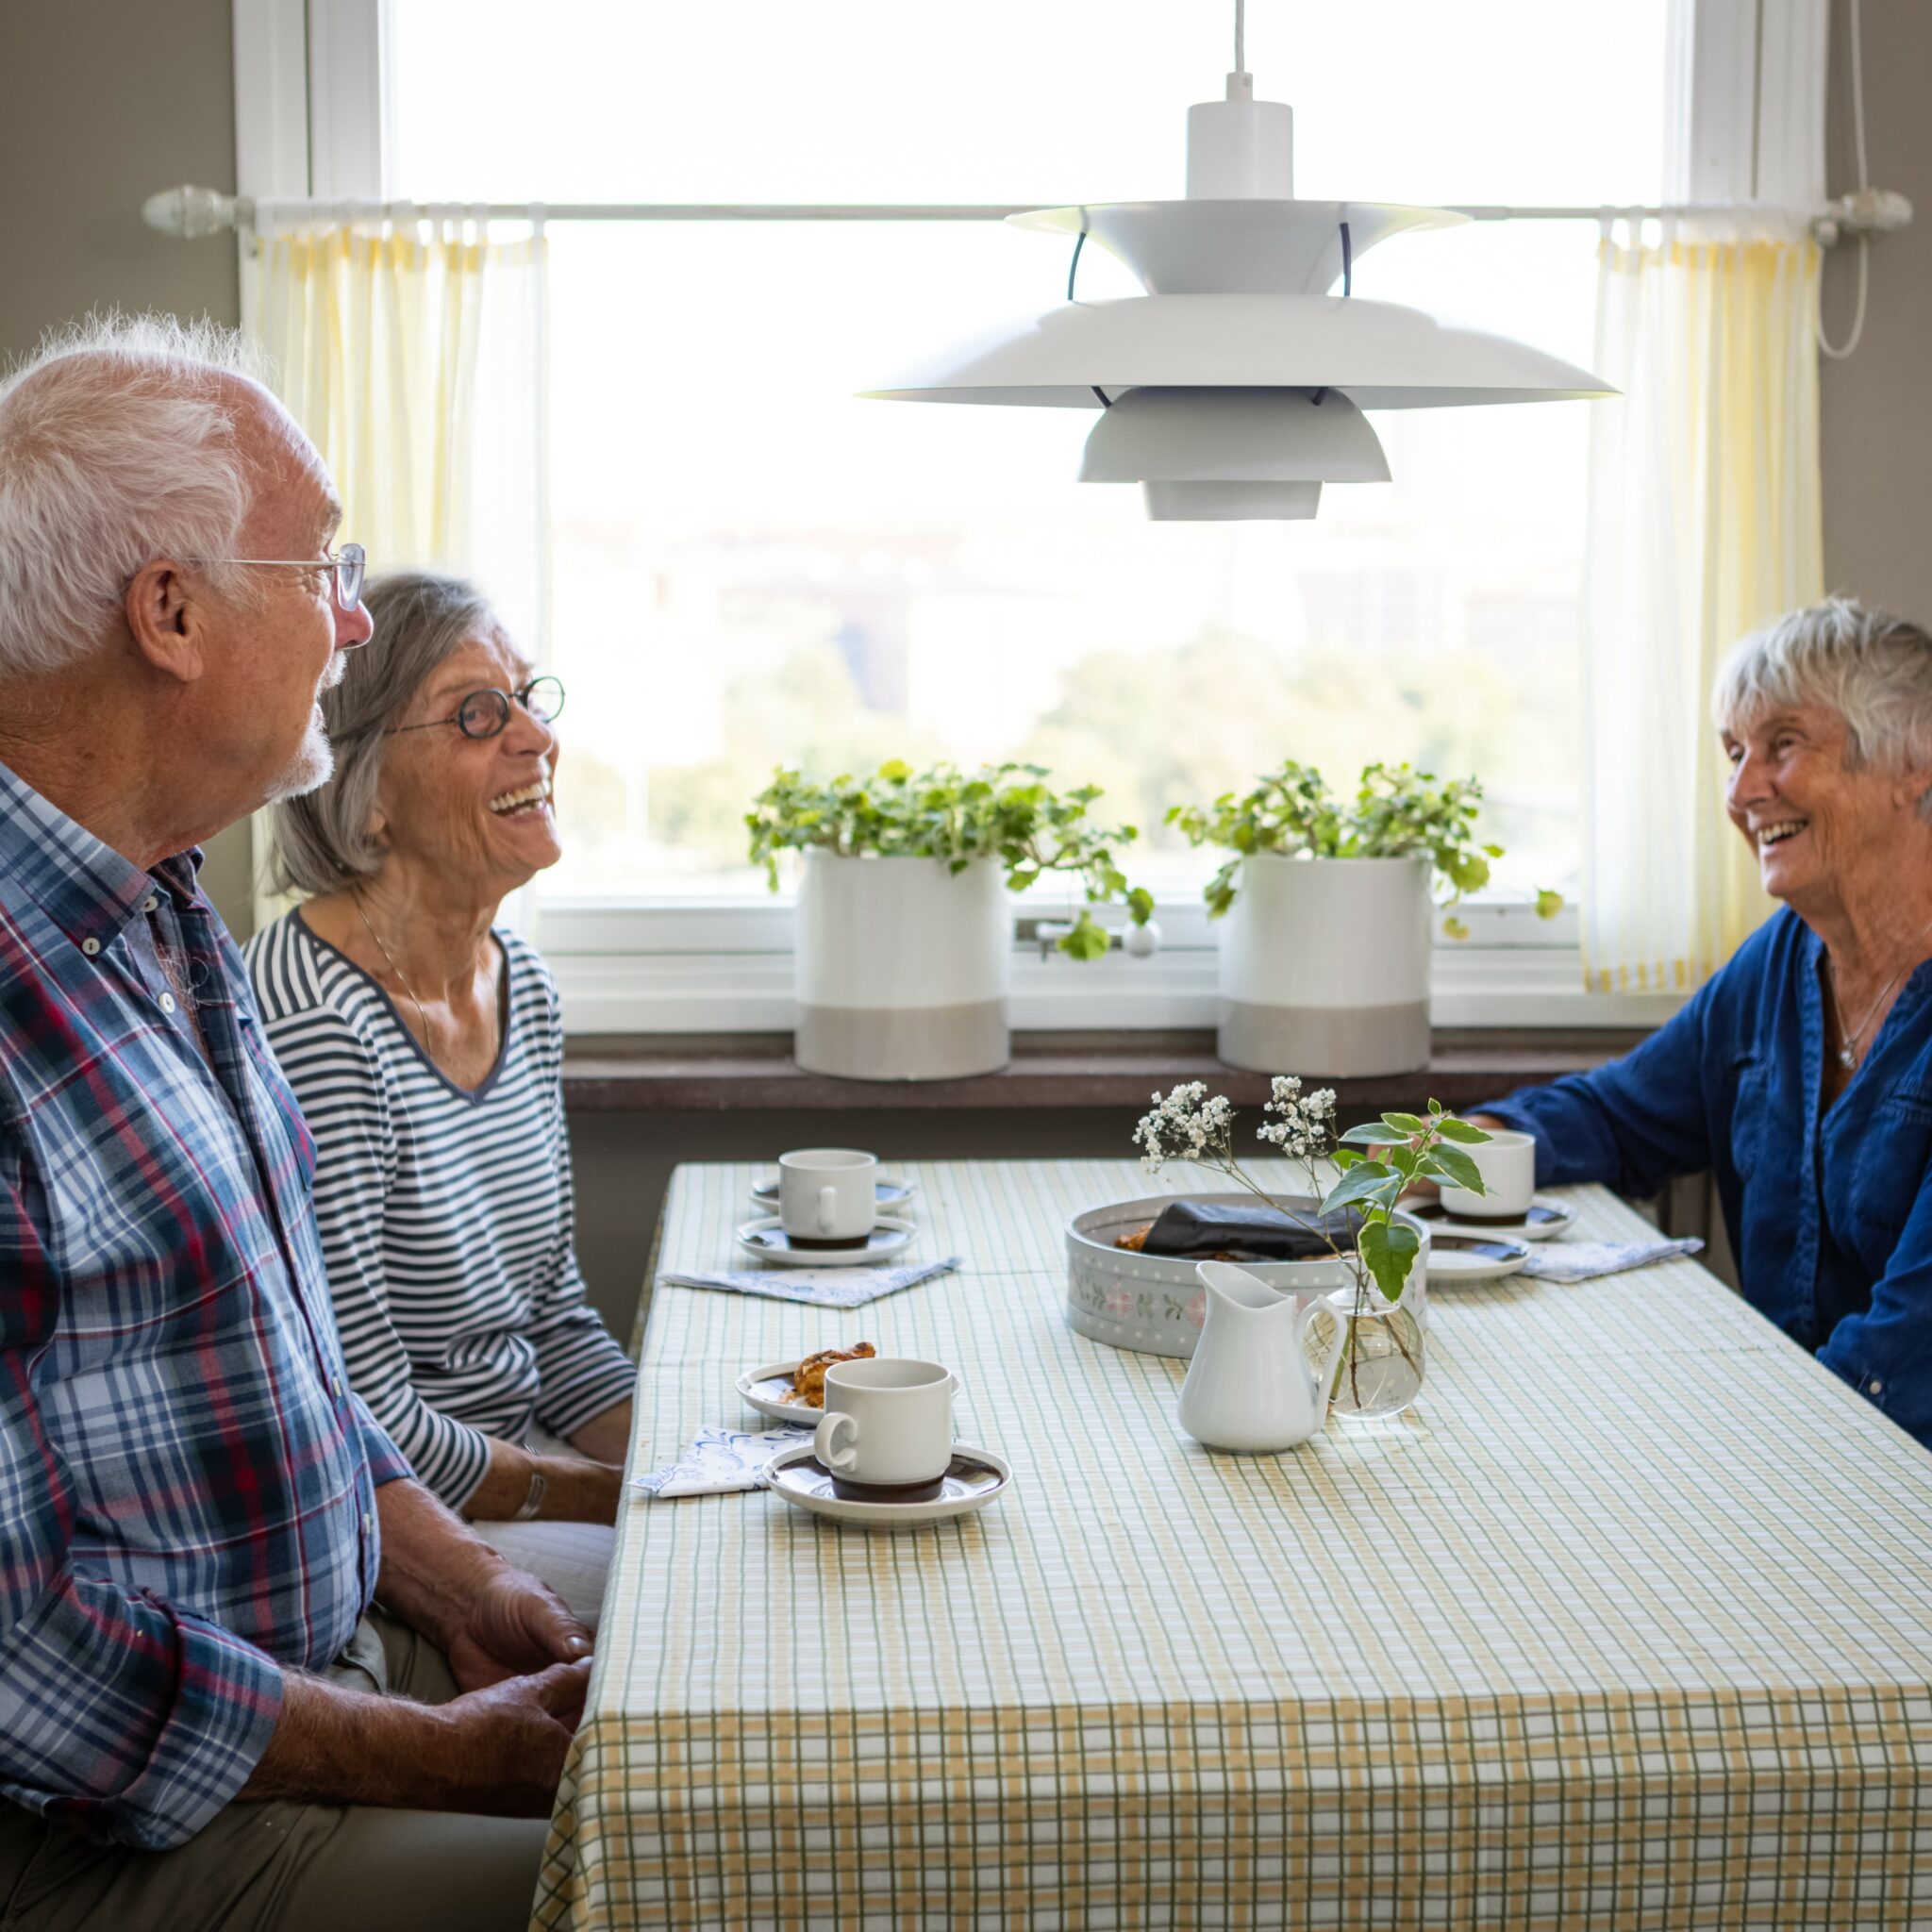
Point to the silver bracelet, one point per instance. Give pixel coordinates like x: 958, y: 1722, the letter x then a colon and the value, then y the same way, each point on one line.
x: 534, y: 1501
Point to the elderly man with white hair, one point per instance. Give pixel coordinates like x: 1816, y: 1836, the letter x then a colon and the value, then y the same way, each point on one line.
x: 1802, y: 1072
x: 204, y: 1717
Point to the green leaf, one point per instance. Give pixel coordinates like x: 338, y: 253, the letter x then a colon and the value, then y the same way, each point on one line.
x: 1141, y: 904
x: 1088, y: 940
x: 1454, y: 929
x: 1452, y: 1130
x: 1452, y: 1165
x: 1405, y: 1123
x: 1548, y: 904
x: 1371, y: 1182
x: 1370, y: 1134
x: 1390, y: 1249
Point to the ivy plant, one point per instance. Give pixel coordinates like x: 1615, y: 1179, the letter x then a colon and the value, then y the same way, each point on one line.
x: 1397, y: 812
x: 1006, y: 813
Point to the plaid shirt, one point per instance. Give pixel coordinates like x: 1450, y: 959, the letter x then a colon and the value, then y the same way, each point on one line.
x: 187, y: 1485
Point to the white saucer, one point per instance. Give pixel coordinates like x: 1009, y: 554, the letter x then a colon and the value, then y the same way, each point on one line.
x: 976, y: 1477
x: 892, y: 1196
x: 1477, y: 1255
x: 1547, y: 1220
x: 766, y: 1239
x: 767, y: 1389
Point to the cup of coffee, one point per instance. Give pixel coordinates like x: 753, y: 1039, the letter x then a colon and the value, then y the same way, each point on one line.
x: 828, y: 1196
x: 888, y: 1421
x: 1507, y: 1161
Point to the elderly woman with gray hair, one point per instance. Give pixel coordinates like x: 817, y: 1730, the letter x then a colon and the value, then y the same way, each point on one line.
x: 1802, y: 1072
x: 424, y: 1044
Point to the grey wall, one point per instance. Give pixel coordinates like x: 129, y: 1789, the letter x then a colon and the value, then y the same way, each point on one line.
x: 102, y: 102
x: 1876, y: 408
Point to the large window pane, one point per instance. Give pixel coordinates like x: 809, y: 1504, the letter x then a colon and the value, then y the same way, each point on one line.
x: 754, y: 566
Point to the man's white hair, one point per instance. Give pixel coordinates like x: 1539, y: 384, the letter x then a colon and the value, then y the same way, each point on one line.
x: 119, y: 443
x: 1871, y: 667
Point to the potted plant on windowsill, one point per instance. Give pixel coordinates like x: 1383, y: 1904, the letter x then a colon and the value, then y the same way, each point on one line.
x: 905, y: 934
x: 1325, y: 912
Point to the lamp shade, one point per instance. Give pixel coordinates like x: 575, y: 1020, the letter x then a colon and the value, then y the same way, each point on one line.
x: 1232, y: 436
x: 1380, y: 355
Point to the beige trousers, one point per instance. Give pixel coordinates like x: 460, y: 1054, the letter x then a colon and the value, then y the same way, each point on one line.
x: 287, y: 1867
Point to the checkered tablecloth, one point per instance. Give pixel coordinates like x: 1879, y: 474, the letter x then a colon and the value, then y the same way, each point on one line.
x: 1628, y: 1623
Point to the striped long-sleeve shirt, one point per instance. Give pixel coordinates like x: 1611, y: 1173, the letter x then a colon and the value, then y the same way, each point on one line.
x: 186, y: 1482
x: 445, y: 1214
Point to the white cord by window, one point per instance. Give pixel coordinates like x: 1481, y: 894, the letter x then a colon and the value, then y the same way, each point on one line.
x: 1851, y: 341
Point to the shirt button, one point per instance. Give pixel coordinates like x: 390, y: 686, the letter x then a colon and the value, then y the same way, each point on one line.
x: 338, y: 1387
x: 167, y: 1003
x: 149, y: 904
x: 89, y: 948
x: 1874, y: 1387
x: 367, y: 1526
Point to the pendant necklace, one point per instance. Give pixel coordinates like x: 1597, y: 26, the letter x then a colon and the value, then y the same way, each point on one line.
x: 422, y: 1017
x: 1848, y: 1042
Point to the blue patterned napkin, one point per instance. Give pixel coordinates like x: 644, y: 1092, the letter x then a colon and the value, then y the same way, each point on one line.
x: 1581, y: 1261
x: 823, y: 1288
x: 719, y: 1461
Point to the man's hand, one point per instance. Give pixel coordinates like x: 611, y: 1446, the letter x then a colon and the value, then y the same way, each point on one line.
x: 497, y: 1750
x: 508, y: 1742
x: 514, y: 1624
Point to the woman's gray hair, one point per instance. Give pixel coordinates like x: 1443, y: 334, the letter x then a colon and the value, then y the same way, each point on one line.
x: 1871, y: 667
x: 322, y: 840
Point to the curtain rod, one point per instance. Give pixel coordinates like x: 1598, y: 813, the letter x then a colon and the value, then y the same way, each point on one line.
x: 192, y: 212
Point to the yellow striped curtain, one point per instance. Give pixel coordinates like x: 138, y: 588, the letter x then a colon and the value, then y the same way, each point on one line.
x: 1704, y: 521
x: 414, y: 353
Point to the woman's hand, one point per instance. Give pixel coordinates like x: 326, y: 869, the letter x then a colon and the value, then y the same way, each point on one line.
x: 574, y: 1488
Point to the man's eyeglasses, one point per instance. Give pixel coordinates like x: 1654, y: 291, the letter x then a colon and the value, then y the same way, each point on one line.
x: 484, y: 713
x: 348, y: 562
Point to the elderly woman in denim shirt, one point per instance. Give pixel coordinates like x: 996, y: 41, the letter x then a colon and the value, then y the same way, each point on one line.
x: 1802, y: 1074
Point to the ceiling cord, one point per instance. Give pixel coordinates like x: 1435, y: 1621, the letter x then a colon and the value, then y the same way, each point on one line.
x: 1241, y: 36
x: 1851, y: 341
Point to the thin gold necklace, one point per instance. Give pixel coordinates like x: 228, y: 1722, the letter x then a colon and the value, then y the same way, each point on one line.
x: 1848, y: 1042
x: 428, y: 1038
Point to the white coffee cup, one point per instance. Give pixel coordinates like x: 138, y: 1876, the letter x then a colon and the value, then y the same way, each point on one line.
x: 828, y: 1193
x: 1507, y: 1161
x: 887, y: 1420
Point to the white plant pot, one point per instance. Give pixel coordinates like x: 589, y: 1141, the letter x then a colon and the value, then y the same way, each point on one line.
x: 902, y: 968
x: 1323, y: 966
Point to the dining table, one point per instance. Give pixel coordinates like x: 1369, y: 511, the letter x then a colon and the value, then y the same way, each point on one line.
x: 1625, y: 1622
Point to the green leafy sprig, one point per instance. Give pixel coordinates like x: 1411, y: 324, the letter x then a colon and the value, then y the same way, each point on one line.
x: 1406, y: 1149
x: 1008, y: 812
x: 1397, y: 812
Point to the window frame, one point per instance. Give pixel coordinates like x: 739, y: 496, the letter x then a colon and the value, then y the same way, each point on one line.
x: 314, y: 118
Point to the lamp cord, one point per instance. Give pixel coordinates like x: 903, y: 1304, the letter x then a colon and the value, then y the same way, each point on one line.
x: 1824, y: 344
x: 1241, y: 36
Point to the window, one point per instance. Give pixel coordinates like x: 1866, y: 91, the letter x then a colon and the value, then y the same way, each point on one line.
x: 752, y: 565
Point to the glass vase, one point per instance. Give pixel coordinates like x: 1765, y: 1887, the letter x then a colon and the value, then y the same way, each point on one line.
x: 1386, y: 1349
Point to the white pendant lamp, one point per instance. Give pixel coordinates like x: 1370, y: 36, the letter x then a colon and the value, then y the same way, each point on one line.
x: 1234, y: 386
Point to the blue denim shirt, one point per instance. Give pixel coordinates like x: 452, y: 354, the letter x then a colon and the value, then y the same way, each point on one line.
x: 1831, y: 1218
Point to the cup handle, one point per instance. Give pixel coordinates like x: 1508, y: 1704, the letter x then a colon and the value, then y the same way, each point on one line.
x: 828, y: 1200
x: 825, y: 1437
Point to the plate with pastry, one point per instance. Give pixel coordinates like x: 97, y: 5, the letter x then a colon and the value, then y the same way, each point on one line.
x: 795, y: 1392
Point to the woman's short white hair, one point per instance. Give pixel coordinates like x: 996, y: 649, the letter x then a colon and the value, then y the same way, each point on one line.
x: 119, y: 443
x: 1871, y: 667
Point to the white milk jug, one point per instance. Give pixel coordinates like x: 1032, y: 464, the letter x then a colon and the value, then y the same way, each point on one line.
x: 1249, y: 1385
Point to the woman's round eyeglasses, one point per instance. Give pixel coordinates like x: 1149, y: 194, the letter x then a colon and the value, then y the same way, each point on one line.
x: 484, y: 713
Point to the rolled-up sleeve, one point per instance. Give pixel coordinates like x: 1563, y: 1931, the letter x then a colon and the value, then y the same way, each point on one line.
x: 119, y: 1714
x: 387, y: 1464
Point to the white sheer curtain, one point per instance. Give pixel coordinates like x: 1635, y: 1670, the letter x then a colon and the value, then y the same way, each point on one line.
x: 1704, y: 511
x: 416, y: 354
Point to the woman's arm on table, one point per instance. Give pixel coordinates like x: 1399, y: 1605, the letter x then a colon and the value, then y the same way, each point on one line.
x: 1633, y: 1124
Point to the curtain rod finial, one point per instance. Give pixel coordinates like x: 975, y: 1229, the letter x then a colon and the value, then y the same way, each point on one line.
x: 189, y: 211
